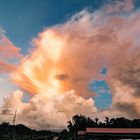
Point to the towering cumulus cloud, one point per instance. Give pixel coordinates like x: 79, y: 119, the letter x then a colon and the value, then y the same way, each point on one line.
x: 68, y: 56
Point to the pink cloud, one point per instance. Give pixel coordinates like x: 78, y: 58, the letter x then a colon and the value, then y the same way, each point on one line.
x: 8, y: 49
x: 8, y: 52
x: 68, y: 56
x: 6, y: 68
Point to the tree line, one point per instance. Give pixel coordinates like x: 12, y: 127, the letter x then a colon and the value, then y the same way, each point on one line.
x: 78, y: 122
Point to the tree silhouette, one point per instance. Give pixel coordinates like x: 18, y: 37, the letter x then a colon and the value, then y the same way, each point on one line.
x: 80, y: 122
x: 107, y: 122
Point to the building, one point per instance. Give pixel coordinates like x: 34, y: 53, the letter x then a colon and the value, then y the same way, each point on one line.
x: 105, y: 133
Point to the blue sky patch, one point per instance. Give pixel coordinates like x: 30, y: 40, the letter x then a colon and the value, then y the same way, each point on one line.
x: 103, y: 98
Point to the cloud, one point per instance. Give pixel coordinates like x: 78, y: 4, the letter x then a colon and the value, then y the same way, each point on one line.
x: 52, y: 113
x: 8, y: 53
x: 6, y: 68
x: 77, y: 48
x: 8, y: 50
x: 68, y: 56
x: 119, y: 6
x: 125, y: 103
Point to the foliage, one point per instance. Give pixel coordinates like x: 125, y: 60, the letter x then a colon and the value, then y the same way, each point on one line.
x: 80, y: 122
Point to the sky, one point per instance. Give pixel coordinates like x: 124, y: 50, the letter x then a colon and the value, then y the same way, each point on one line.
x: 23, y: 20
x: 69, y: 57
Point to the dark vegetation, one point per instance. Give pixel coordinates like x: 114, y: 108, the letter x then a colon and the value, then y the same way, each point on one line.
x: 21, y: 132
x: 78, y: 122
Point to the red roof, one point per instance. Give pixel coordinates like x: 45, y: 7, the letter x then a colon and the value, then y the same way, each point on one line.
x: 81, y: 132
x: 114, y: 130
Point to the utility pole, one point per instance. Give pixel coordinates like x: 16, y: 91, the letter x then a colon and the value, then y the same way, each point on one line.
x: 15, y: 114
x: 6, y: 111
x: 14, y: 120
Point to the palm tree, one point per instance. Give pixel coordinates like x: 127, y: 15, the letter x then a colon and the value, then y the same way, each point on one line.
x: 107, y: 121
